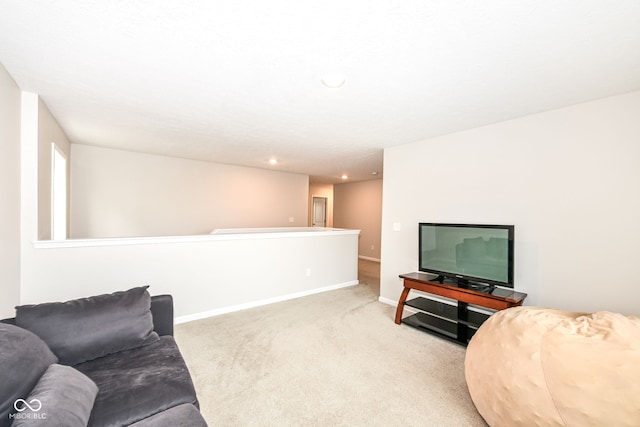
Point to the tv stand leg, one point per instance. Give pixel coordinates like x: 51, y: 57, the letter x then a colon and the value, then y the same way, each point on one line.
x: 401, y: 301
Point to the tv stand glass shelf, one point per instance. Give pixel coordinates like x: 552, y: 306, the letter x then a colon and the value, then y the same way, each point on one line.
x: 456, y: 322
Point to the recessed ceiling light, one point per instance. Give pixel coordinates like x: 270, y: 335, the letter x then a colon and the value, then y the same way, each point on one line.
x: 345, y: 176
x: 273, y: 161
x: 374, y: 173
x: 333, y: 80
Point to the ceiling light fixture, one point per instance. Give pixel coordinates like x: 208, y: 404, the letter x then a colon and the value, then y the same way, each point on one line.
x: 333, y: 80
x: 273, y: 161
x: 345, y: 176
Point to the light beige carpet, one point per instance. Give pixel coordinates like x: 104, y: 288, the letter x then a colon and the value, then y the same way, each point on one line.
x: 331, y: 359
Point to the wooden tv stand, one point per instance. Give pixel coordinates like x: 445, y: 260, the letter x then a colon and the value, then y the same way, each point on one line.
x: 454, y: 322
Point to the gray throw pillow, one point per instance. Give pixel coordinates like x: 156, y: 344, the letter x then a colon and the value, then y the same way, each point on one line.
x: 24, y: 357
x: 62, y: 397
x: 89, y: 328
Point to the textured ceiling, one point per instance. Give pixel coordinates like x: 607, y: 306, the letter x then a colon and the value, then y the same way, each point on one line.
x: 238, y: 82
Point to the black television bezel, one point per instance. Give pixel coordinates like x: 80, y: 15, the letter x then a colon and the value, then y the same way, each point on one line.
x: 462, y: 279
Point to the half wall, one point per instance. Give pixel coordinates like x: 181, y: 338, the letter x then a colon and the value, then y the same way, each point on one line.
x: 206, y: 274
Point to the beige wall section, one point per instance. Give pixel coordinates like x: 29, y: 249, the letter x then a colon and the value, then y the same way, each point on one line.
x: 358, y: 205
x: 9, y: 194
x: 48, y: 132
x: 321, y: 190
x: 122, y: 194
x: 568, y: 179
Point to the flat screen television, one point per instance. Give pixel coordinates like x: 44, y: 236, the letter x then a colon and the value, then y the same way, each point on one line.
x: 473, y: 255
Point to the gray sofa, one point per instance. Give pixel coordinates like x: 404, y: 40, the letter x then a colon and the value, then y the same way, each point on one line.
x: 107, y: 360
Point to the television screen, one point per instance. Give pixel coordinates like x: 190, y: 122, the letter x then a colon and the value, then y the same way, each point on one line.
x: 468, y: 252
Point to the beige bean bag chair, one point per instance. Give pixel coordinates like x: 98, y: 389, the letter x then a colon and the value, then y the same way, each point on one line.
x: 531, y: 366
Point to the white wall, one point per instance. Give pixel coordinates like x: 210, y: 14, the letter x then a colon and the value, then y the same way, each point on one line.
x: 205, y: 274
x: 358, y: 205
x: 9, y: 194
x: 118, y: 194
x: 568, y: 179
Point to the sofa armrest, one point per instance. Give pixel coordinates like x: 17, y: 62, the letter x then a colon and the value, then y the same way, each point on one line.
x: 162, y: 312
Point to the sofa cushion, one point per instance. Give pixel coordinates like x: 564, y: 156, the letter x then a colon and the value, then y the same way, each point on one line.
x: 24, y: 357
x: 185, y: 415
x: 62, y: 397
x: 138, y: 383
x: 87, y: 328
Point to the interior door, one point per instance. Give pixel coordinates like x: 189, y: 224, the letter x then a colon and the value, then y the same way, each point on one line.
x: 319, y: 212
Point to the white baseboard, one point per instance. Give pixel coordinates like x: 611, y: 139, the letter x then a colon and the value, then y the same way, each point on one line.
x: 367, y: 258
x: 252, y: 304
x: 388, y: 301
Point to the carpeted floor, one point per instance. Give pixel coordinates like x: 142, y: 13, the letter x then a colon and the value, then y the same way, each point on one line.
x: 332, y: 359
